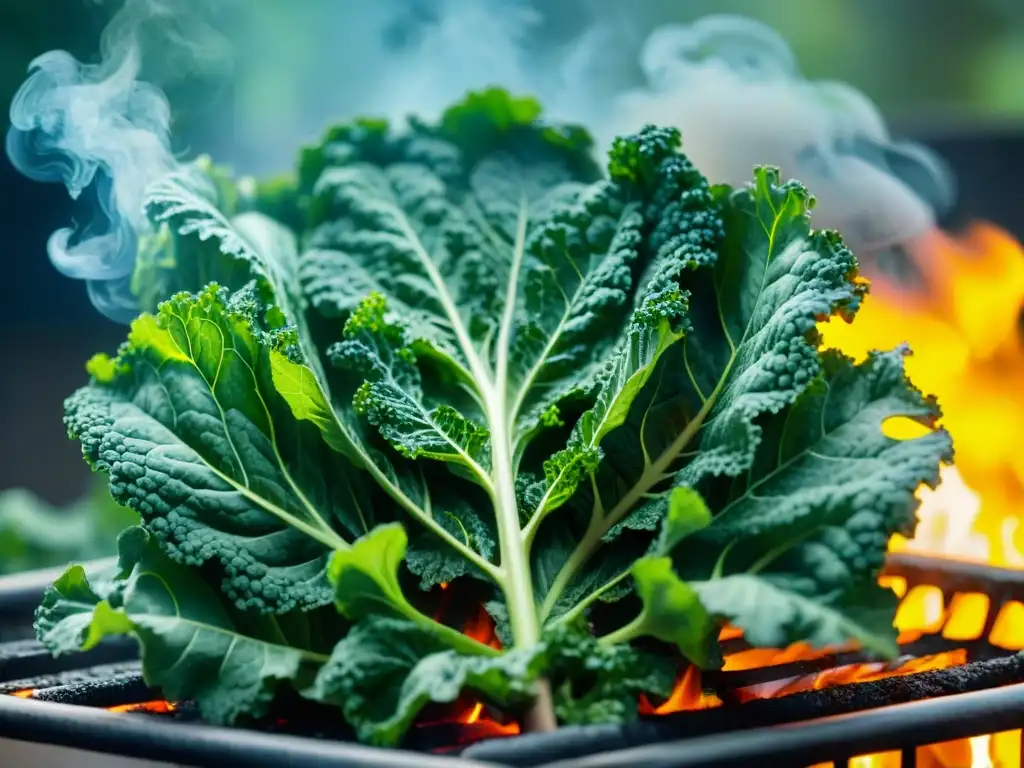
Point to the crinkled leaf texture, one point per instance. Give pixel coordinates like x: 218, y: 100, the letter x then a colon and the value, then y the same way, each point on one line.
x: 193, y: 645
x: 467, y: 359
x: 385, y: 670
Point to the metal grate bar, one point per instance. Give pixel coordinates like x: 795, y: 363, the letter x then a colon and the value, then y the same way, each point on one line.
x: 754, y: 733
x: 952, y: 576
x: 91, y: 674
x: 899, y: 727
x: 149, y: 738
x: 28, y: 658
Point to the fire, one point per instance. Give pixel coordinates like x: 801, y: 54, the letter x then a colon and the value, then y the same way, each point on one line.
x: 486, y: 727
x: 481, y: 628
x: 963, y: 322
x: 975, y: 753
x: 159, y: 707
x: 476, y: 721
x: 962, y: 318
x: 687, y: 695
x: 474, y: 713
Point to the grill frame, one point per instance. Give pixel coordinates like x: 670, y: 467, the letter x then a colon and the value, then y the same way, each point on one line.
x: 977, y: 698
x: 895, y: 728
x: 205, y: 746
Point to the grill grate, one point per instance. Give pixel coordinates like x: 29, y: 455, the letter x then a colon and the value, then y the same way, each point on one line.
x: 952, y: 578
x: 896, y: 713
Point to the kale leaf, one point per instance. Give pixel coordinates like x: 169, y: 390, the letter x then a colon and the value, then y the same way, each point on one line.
x: 465, y: 357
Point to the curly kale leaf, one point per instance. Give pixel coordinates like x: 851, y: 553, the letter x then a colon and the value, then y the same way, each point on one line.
x: 386, y: 670
x: 597, y: 682
x: 197, y: 438
x: 796, y: 546
x: 193, y: 646
x: 480, y: 357
x: 748, y: 359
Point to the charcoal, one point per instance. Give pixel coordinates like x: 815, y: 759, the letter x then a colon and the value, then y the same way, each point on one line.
x: 72, y: 676
x: 129, y: 688
x: 28, y: 658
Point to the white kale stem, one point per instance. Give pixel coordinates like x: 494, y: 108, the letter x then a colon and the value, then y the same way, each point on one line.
x: 515, y: 559
x: 540, y: 717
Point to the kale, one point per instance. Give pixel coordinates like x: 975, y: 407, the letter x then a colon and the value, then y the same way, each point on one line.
x: 469, y: 356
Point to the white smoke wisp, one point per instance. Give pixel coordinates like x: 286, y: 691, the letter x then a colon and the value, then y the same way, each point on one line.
x: 84, y: 124
x: 100, y: 126
x: 731, y: 85
x: 469, y: 46
x: 401, y: 58
x: 734, y: 89
x: 475, y: 44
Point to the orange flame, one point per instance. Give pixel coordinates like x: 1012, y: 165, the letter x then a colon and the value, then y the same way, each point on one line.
x: 477, y: 721
x: 963, y: 324
x: 481, y: 629
x: 687, y: 695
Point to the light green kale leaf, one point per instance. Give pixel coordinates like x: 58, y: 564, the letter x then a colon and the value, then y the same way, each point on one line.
x: 195, y: 436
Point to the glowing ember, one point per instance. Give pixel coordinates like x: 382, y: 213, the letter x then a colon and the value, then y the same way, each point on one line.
x: 156, y: 707
x: 486, y: 727
x: 28, y: 693
x: 847, y: 674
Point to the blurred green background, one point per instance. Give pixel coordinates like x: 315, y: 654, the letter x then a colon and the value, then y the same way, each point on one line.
x: 917, y: 59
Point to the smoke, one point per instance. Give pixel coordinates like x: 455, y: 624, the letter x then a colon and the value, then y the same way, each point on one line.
x: 730, y: 84
x: 322, y: 61
x: 734, y: 89
x: 98, y: 127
